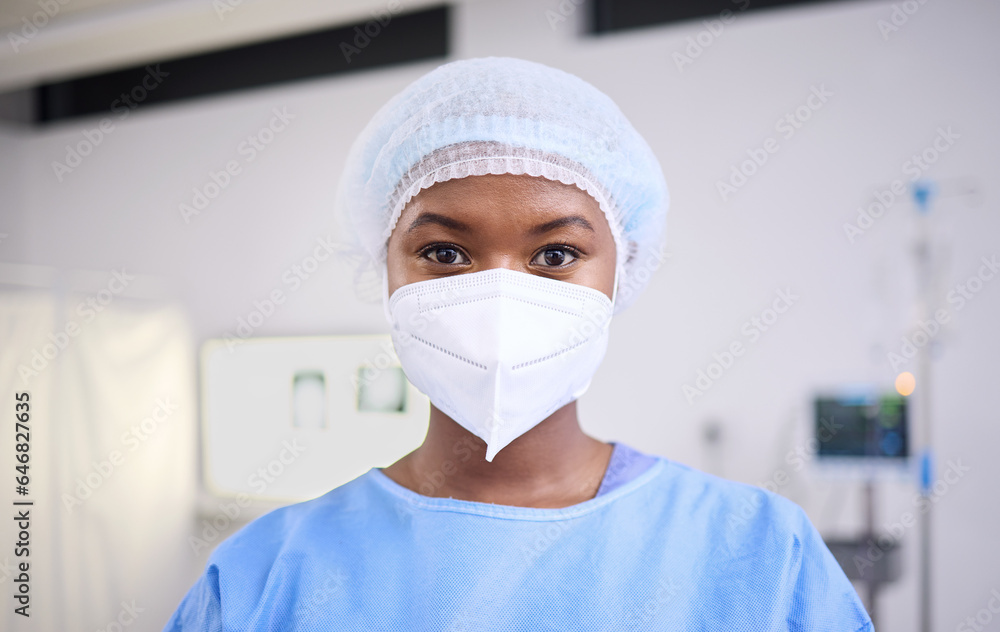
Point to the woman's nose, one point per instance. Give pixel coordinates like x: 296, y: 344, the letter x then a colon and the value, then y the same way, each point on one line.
x: 501, y: 259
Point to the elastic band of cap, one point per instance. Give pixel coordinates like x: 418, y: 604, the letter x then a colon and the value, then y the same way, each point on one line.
x: 385, y: 292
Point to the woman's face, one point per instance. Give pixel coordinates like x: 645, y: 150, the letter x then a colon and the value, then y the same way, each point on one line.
x: 521, y: 222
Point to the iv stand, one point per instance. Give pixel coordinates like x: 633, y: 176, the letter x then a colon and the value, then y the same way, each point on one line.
x: 924, y: 440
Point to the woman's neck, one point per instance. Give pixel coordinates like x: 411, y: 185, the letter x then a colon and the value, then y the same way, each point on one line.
x: 555, y: 464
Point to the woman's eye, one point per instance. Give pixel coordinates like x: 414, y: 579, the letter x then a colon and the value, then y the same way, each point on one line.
x: 555, y: 257
x: 445, y: 254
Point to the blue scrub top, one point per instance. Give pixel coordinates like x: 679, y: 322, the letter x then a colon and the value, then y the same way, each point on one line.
x: 671, y: 549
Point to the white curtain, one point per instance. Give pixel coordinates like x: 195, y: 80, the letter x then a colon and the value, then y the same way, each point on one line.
x: 113, y: 458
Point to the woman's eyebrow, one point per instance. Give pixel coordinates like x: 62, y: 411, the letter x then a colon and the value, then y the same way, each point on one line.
x: 434, y: 218
x: 578, y: 220
x: 449, y: 222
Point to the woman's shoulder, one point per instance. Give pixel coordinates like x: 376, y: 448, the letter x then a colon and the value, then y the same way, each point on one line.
x: 269, y: 550
x: 296, y: 526
x: 732, y: 509
x: 754, y: 537
x: 697, y: 482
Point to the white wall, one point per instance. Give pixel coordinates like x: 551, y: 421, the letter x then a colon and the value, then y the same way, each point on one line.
x: 784, y: 228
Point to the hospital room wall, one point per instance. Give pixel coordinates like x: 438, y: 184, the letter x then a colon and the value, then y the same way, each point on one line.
x: 784, y: 228
x: 726, y: 261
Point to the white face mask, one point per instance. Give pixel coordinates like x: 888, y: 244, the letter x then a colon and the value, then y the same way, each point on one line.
x: 498, y: 351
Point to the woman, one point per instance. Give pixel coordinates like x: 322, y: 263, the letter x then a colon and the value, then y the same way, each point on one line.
x: 510, y: 210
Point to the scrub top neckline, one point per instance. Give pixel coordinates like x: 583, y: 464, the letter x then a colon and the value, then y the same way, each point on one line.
x: 514, y: 512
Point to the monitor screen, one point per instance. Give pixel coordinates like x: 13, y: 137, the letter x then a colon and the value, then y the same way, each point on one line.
x: 862, y: 426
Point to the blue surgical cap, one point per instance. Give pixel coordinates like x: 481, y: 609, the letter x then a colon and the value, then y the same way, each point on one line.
x: 499, y: 115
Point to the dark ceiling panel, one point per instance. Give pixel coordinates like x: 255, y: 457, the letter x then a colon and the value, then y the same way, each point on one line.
x: 399, y: 39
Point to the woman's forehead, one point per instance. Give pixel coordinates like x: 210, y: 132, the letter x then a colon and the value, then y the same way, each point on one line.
x: 504, y: 197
